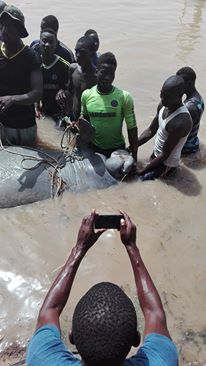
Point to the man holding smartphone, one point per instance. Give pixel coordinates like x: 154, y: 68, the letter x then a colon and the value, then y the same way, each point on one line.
x: 104, y: 324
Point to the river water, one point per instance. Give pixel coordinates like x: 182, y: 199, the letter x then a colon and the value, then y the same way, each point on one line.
x: 151, y: 40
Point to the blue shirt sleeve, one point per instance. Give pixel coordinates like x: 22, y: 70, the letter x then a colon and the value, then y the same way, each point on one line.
x: 157, y: 350
x: 46, y: 348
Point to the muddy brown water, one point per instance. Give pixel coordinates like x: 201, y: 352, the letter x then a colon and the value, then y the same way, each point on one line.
x: 151, y: 41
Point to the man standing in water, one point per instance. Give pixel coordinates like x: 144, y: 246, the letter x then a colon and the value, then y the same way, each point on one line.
x: 106, y: 106
x: 55, y: 78
x: 172, y: 124
x: 20, y: 80
x: 104, y: 324
x: 82, y: 74
x: 195, y: 106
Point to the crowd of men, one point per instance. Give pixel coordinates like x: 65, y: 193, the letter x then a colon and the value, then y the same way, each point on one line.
x: 47, y: 79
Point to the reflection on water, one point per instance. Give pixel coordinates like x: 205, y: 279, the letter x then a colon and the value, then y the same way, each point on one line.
x: 151, y: 40
x: 16, y: 283
x: 191, y: 22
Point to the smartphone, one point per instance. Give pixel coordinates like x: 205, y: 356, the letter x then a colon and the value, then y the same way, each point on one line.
x: 108, y: 222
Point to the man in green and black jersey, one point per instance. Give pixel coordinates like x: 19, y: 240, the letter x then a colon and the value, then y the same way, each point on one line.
x: 106, y: 107
x: 20, y: 80
x: 55, y: 77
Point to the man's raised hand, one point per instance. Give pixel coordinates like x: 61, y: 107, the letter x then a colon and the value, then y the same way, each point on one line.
x: 86, y: 235
x: 127, y: 231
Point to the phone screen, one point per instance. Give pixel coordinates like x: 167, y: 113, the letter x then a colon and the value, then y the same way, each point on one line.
x: 108, y: 222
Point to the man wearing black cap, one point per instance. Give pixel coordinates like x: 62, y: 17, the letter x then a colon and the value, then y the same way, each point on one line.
x: 20, y: 81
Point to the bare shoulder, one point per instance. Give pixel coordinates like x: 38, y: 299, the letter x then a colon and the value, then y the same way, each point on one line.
x: 76, y: 78
x: 191, y: 106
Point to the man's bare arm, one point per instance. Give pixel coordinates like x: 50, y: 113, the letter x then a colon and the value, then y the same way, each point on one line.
x: 133, y: 141
x: 58, y: 294
x: 147, y: 134
x: 150, y: 302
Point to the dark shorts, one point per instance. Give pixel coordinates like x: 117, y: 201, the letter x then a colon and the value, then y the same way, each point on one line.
x: 160, y: 171
x: 107, y: 152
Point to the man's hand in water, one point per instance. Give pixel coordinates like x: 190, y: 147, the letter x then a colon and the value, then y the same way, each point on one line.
x: 6, y: 102
x: 127, y: 231
x: 86, y: 235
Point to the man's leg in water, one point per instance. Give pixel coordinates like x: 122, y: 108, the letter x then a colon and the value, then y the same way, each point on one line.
x: 20, y: 137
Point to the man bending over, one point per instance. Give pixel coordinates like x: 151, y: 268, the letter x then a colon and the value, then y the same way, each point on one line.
x: 104, y: 324
x: 171, y: 125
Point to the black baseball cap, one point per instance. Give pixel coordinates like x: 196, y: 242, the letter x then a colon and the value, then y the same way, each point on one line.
x: 16, y: 14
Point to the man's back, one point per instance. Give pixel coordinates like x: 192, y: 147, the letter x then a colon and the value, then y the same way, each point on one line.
x: 195, y: 105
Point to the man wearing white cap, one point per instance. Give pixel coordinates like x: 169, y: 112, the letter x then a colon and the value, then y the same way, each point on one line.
x: 20, y: 81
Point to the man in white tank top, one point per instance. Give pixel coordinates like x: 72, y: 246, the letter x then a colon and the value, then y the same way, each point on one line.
x: 172, y: 125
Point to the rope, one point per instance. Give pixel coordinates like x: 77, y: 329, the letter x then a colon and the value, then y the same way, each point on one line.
x: 67, y: 155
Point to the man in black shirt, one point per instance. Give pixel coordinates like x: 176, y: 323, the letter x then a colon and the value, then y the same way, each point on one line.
x: 20, y: 81
x: 50, y: 21
x: 55, y: 78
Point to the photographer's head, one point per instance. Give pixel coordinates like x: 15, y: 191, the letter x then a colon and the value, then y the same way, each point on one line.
x: 104, y: 326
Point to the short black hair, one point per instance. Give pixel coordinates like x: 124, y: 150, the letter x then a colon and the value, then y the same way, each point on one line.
x: 90, y: 31
x: 174, y: 82
x: 48, y: 30
x: 107, y: 58
x: 104, y: 325
x: 188, y: 73
x: 87, y: 42
x: 50, y: 21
